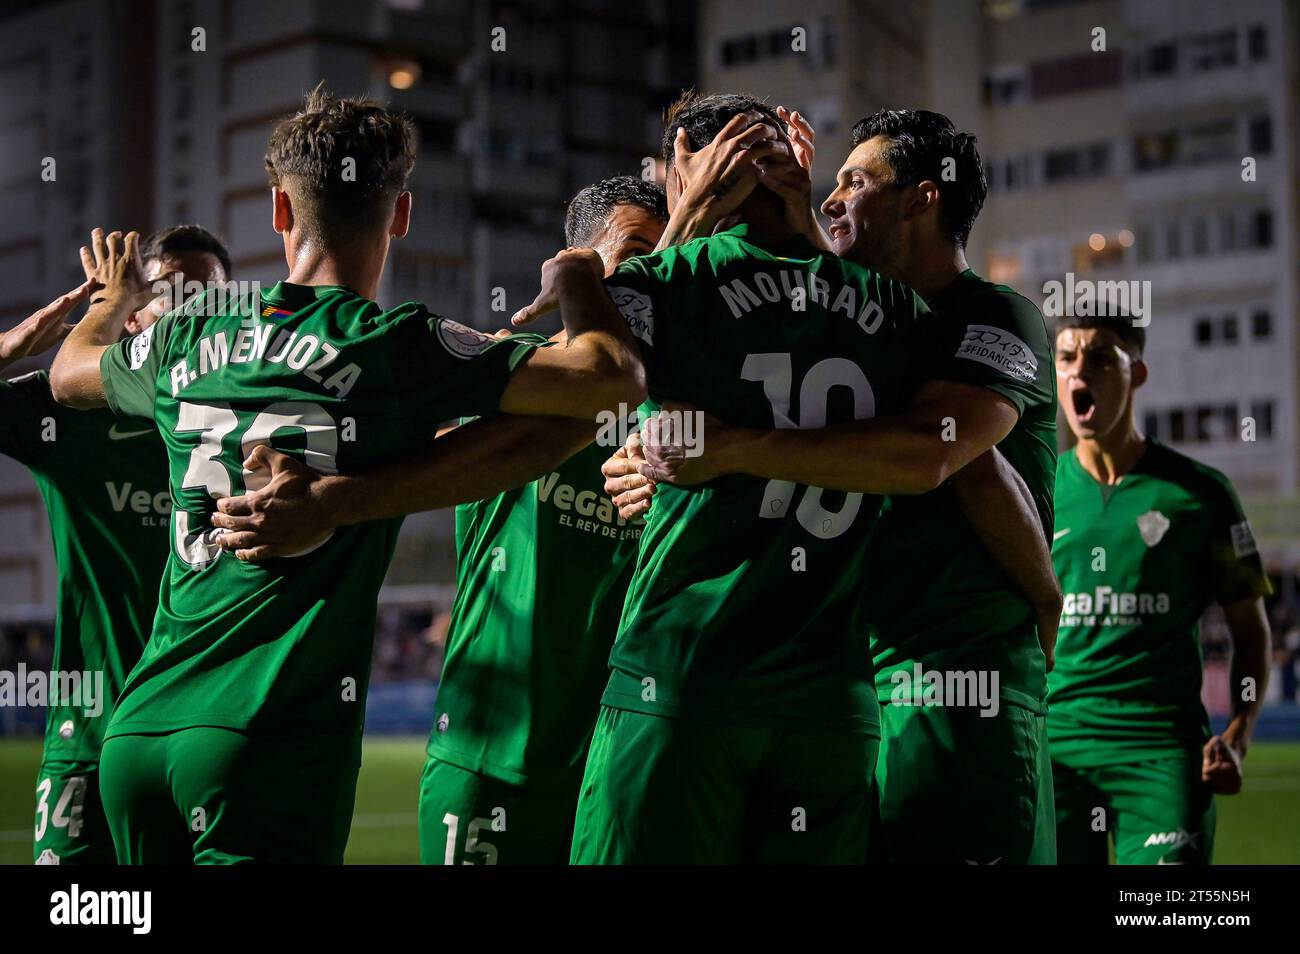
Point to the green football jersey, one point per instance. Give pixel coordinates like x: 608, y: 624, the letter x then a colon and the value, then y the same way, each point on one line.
x: 330, y: 377
x: 935, y: 595
x: 746, y: 602
x: 1139, y: 562
x: 541, y: 572
x: 104, y: 484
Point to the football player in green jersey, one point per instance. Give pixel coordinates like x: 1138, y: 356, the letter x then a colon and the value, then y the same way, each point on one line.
x: 740, y: 721
x: 541, y: 574
x: 978, y: 609
x: 103, y: 481
x: 1146, y: 539
x: 237, y: 737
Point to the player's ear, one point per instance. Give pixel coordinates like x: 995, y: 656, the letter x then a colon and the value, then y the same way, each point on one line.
x: 281, y: 210
x: 923, y: 197
x: 1137, y: 373
x: 132, y: 324
x: 401, y: 216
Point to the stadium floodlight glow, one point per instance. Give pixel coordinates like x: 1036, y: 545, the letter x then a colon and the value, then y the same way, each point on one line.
x: 1096, y: 241
x: 404, y: 75
x: 1125, y: 238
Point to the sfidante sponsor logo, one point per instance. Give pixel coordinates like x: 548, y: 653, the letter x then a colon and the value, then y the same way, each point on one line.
x: 955, y: 688
x: 999, y: 349
x: 73, y: 907
x: 37, y: 688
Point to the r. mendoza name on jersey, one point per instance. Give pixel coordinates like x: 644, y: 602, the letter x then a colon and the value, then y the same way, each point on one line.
x: 306, y: 354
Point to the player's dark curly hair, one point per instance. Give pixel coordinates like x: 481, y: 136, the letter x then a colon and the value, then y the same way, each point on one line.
x: 920, y: 141
x: 308, y: 156
x: 179, y: 239
x: 704, y: 116
x: 1130, y: 335
x: 590, y: 209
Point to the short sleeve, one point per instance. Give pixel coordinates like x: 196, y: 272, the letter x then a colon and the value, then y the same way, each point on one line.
x: 639, y: 289
x: 130, y: 370
x: 1237, y: 569
x: 26, y: 411
x: 999, y: 341
x: 454, y: 371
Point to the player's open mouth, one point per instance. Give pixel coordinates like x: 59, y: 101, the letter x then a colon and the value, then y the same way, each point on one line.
x: 838, y: 230
x: 1084, y: 405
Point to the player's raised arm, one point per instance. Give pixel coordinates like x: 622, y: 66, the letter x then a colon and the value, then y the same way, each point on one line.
x: 599, y: 367
x: 996, y: 501
x: 114, y: 264
x: 43, y: 329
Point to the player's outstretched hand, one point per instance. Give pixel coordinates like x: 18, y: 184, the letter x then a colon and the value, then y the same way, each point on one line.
x: 286, y: 517
x: 555, y: 270
x: 43, y: 329
x: 624, y: 484
x: 675, y: 442
x: 1221, y: 766
x: 114, y: 264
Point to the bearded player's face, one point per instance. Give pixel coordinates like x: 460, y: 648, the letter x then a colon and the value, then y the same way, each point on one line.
x: 629, y: 231
x: 866, y: 207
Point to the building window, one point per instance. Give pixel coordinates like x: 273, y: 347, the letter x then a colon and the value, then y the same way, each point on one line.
x: 1212, y: 51
x: 1161, y: 59
x: 1262, y: 231
x: 1262, y: 412
x: 1177, y: 426
x: 1229, y: 329
x: 1228, y: 420
x: 1257, y: 43
x: 1261, y: 324
x: 1261, y: 135
x: 1150, y: 424
x: 1155, y: 150
x: 1203, y: 333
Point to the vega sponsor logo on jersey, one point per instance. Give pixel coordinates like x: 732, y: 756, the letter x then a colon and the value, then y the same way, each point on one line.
x: 306, y: 354
x: 123, y: 497
x: 1106, y: 606
x: 587, y: 510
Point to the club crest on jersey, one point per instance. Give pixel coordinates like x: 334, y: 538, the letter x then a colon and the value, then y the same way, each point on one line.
x: 1152, y: 525
x: 461, y: 340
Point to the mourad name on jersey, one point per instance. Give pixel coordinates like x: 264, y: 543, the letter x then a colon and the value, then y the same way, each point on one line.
x: 798, y: 288
x: 1153, y: 525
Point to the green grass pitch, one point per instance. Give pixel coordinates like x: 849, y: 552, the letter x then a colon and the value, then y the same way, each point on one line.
x: 1255, y: 827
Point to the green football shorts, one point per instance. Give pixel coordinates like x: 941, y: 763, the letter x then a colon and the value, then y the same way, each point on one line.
x: 219, y: 796
x: 472, y: 819
x: 1157, y: 812
x: 671, y: 791
x: 958, y: 787
x: 70, y: 824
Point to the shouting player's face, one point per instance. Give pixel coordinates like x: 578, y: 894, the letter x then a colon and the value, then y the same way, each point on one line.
x: 1096, y: 379
x: 629, y: 231
x: 866, y: 208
